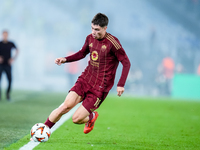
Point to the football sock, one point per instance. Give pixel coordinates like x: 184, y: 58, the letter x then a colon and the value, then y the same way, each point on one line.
x: 91, y: 116
x: 49, y: 123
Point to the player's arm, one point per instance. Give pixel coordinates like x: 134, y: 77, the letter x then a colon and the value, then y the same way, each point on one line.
x: 123, y: 58
x: 125, y: 70
x: 80, y: 54
x: 11, y: 60
x: 16, y: 53
x: 75, y: 57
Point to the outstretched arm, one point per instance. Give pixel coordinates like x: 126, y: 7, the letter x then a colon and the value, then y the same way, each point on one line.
x: 77, y: 56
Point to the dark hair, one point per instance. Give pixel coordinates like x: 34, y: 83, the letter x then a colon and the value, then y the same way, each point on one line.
x: 100, y: 19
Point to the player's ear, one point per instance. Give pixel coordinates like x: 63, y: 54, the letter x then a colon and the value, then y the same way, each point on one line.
x: 105, y: 27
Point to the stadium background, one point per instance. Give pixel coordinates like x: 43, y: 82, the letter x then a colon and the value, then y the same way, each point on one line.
x: 148, y: 31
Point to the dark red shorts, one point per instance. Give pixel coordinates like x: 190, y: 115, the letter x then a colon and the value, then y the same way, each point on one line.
x: 92, y: 98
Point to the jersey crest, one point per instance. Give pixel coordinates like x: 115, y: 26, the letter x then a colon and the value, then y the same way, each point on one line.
x: 94, y: 55
x: 103, y: 48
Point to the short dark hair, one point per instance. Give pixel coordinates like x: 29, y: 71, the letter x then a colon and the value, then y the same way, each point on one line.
x: 100, y: 19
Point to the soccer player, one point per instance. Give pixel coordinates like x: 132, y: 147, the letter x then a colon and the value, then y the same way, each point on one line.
x: 95, y: 82
x: 6, y: 60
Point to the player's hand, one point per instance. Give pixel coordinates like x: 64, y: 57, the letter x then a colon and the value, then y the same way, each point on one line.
x: 120, y: 90
x: 60, y: 60
x: 10, y: 61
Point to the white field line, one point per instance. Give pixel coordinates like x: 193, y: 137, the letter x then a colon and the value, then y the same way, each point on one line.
x: 30, y: 145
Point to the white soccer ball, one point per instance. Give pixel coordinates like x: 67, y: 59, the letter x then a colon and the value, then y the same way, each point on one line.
x: 40, y: 132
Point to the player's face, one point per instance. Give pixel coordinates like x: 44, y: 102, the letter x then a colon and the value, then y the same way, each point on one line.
x: 98, y: 32
x: 5, y: 36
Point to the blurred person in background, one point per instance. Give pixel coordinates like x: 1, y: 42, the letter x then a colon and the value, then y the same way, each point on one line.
x: 198, y: 70
x: 6, y: 60
x: 166, y: 71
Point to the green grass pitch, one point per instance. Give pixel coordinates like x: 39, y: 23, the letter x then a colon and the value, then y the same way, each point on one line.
x: 123, y: 123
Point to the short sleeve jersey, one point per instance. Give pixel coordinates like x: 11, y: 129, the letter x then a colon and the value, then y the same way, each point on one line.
x: 105, y: 55
x: 5, y: 50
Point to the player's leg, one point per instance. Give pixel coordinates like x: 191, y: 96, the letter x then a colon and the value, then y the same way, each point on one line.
x: 81, y: 115
x: 71, y: 100
x: 9, y: 77
x: 1, y: 70
x: 85, y: 114
x: 93, y: 102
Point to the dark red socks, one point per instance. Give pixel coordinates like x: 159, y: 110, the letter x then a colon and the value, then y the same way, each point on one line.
x: 49, y: 123
x: 91, y: 116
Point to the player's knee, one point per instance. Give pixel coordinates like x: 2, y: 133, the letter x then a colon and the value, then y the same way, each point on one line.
x: 76, y: 119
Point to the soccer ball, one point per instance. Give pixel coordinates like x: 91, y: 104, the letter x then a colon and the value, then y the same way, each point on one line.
x: 40, y: 132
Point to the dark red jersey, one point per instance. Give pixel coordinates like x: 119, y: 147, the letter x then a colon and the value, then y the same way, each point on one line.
x: 105, y: 55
